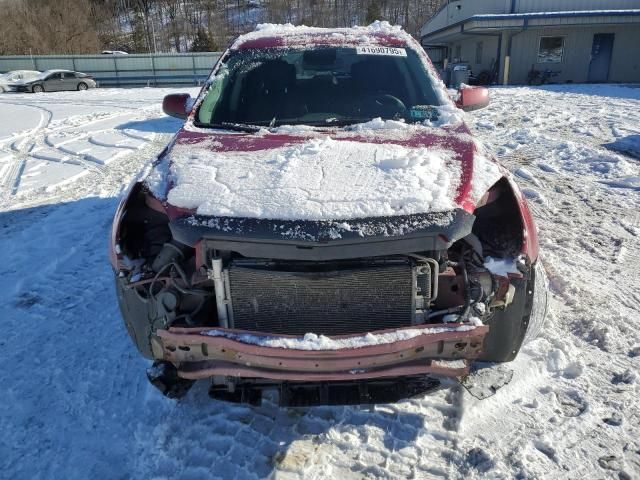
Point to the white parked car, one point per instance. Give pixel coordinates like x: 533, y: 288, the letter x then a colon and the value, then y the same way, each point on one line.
x: 16, y: 76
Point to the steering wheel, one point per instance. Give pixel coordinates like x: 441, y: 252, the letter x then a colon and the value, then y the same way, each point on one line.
x: 383, y: 104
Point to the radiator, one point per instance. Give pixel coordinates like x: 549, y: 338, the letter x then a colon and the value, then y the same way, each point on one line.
x: 334, y: 302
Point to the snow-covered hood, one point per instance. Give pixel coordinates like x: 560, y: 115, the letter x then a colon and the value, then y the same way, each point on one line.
x: 372, y: 170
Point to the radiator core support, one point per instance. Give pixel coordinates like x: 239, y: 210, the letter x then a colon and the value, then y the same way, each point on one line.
x: 329, y: 298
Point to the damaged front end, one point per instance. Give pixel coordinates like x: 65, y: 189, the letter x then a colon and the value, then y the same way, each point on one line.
x: 265, y: 361
x: 358, y: 311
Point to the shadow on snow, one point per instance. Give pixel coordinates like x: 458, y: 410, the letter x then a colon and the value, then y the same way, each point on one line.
x: 155, y: 125
x: 78, y: 404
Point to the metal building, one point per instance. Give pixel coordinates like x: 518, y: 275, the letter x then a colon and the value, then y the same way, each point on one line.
x: 571, y: 40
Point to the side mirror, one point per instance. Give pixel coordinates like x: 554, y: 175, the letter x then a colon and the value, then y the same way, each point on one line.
x: 177, y: 105
x: 472, y: 98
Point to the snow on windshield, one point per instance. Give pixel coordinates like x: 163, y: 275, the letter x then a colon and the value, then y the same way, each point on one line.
x: 361, y: 74
x: 319, y: 86
x: 294, y: 91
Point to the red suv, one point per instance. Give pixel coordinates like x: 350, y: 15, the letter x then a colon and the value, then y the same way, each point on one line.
x: 325, y: 224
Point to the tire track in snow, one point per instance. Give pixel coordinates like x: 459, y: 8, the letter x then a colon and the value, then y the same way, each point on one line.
x: 411, y: 440
x: 21, y: 149
x: 32, y: 144
x: 91, y: 400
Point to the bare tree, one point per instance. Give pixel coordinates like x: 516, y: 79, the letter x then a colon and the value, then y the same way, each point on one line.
x: 49, y: 26
x: 83, y: 26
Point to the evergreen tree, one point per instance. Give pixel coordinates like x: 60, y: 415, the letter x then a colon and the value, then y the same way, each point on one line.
x: 373, y: 12
x: 202, y: 42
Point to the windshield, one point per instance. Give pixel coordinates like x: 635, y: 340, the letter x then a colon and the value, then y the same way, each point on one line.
x: 322, y: 86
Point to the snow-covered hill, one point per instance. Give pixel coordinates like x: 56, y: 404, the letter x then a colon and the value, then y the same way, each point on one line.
x: 75, y: 403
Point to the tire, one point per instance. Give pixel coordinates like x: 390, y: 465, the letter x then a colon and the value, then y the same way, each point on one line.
x: 37, y: 89
x: 82, y: 86
x: 521, y: 321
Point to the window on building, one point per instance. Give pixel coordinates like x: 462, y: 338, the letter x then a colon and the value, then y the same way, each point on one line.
x: 551, y: 49
x: 458, y: 54
x: 479, y: 52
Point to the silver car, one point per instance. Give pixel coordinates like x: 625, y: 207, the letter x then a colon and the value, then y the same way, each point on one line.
x: 55, y: 81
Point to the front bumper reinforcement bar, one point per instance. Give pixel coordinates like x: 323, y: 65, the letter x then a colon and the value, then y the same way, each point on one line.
x: 438, y: 350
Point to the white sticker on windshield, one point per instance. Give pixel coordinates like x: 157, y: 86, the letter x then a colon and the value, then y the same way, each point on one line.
x: 389, y: 51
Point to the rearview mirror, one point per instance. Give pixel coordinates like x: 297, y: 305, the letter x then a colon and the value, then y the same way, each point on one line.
x: 472, y: 98
x: 177, y: 105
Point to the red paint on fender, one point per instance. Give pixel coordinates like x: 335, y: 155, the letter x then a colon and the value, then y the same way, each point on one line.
x: 114, y: 236
x: 530, y: 246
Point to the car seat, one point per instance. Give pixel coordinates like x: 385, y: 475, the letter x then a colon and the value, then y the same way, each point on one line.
x: 267, y: 92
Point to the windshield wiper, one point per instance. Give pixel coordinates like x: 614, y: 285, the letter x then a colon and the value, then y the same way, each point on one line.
x: 334, y: 122
x: 345, y: 122
x: 238, y: 127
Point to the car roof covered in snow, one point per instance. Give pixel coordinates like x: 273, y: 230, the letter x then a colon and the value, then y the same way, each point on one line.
x: 273, y: 35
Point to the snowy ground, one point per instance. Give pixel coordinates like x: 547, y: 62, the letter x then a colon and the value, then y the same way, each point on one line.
x: 75, y: 403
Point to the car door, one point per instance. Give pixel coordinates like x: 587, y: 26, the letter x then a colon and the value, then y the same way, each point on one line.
x: 53, y: 83
x: 69, y: 81
x: 601, y: 52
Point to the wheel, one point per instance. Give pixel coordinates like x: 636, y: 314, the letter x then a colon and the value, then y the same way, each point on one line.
x: 38, y: 89
x: 82, y: 86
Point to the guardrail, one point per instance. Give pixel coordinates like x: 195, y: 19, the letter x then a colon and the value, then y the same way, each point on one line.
x: 161, y: 69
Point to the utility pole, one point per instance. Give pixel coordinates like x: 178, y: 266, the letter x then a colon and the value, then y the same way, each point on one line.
x: 153, y: 33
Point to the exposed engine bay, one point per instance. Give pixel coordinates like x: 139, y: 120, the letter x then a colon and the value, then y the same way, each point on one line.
x: 165, y: 284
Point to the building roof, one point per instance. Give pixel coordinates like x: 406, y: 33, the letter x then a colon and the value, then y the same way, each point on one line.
x: 487, y: 23
x: 572, y: 13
